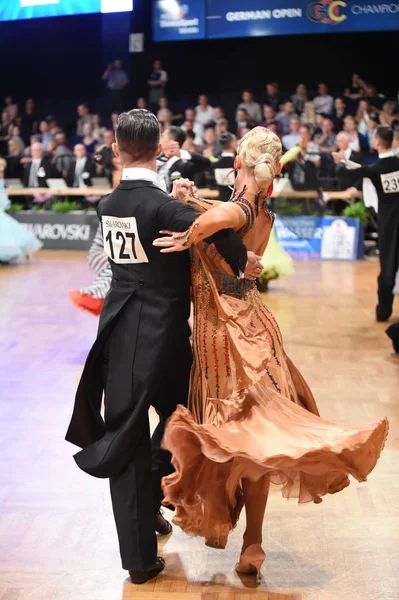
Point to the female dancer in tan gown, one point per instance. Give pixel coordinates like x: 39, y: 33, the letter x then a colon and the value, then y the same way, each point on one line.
x: 252, y: 418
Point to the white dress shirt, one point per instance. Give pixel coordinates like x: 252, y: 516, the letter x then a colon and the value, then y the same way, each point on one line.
x: 135, y: 173
x: 204, y: 116
x: 79, y: 170
x: 33, y: 178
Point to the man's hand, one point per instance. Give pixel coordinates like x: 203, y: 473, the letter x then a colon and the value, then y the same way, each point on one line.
x: 353, y: 192
x: 173, y: 149
x: 254, y: 267
x: 338, y: 156
x: 183, y: 189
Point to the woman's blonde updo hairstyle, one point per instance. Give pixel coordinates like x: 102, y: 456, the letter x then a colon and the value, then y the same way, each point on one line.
x: 260, y: 149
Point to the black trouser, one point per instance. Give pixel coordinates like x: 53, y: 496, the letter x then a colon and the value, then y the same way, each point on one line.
x: 388, y: 244
x: 136, y: 492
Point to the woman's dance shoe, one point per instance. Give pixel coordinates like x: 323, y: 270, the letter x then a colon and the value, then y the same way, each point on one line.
x: 251, y: 561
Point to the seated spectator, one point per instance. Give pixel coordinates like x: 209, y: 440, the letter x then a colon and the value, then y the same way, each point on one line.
x: 38, y: 169
x: 204, y: 113
x: 189, y: 144
x: 292, y: 139
x: 344, y: 147
x: 167, y: 119
x: 63, y: 154
x: 300, y: 98
x: 98, y: 129
x: 270, y: 118
x: 16, y: 135
x: 241, y: 131
x: 376, y: 99
x: 323, y: 103
x: 218, y: 114
x: 157, y: 83
x: 310, y: 150
x: 141, y: 103
x: 252, y: 108
x: 14, y: 167
x: 34, y: 139
x: 11, y: 108
x: 104, y: 157
x: 84, y: 117
x: 243, y: 119
x: 363, y: 116
x: 284, y: 117
x: 388, y: 113
x: 308, y: 117
x: 339, y: 114
x: 357, y: 141
x: 50, y: 151
x: 81, y: 169
x: 212, y: 148
x: 88, y: 140
x: 163, y: 111
x: 5, y: 131
x: 190, y: 124
x: 223, y: 169
x: 373, y: 123
x: 45, y: 134
x: 222, y: 126
x: 53, y: 126
x: 272, y: 96
x: 326, y: 140
x: 30, y: 119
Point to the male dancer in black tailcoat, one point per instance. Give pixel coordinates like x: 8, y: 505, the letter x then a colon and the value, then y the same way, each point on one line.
x: 142, y: 353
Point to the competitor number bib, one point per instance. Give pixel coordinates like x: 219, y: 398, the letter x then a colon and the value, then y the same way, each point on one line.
x: 121, y: 240
x: 390, y: 182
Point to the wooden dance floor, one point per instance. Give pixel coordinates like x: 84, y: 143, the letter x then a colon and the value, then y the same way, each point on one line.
x: 57, y: 537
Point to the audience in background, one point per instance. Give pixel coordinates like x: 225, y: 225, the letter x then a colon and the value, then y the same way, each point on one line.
x: 117, y: 80
x: 294, y: 117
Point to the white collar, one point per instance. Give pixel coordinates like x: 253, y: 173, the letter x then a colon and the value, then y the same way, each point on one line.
x: 134, y: 173
x: 386, y: 154
x: 228, y: 154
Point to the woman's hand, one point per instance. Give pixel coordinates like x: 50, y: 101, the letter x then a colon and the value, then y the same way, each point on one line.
x: 173, y: 242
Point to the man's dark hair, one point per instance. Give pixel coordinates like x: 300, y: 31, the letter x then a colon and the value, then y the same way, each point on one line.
x: 226, y: 139
x: 177, y: 134
x: 244, y: 110
x: 137, y: 134
x: 374, y: 117
x: 385, y: 134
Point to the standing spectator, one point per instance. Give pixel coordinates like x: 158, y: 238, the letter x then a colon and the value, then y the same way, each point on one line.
x: 326, y: 139
x: 308, y: 117
x: 388, y: 113
x: 63, y: 155
x: 284, y: 117
x: 38, y: 170
x: 117, y: 81
x: 84, y: 117
x: 30, y: 119
x: 270, y: 119
x: 11, y: 108
x: 45, y: 134
x: 157, y: 84
x: 212, y: 148
x: 339, y: 114
x: 300, y: 98
x: 87, y: 139
x: 292, y: 139
x: 223, y: 169
x: 252, y: 108
x: 357, y: 141
x: 81, y: 169
x: 272, y: 96
x: 204, y: 113
x: 53, y: 127
x: 98, y: 129
x: 356, y: 91
x: 190, y: 124
x: 323, y: 103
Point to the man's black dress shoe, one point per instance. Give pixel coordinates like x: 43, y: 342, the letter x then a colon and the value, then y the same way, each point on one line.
x: 393, y: 333
x: 162, y: 526
x: 139, y: 577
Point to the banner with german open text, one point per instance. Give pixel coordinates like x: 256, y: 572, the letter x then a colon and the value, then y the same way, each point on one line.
x: 202, y: 19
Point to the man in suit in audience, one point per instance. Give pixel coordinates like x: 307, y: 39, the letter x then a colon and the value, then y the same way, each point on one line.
x: 223, y: 169
x: 39, y: 169
x: 81, y: 170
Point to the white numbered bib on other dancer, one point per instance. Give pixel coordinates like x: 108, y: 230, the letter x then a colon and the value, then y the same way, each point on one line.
x: 390, y: 182
x: 121, y: 240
